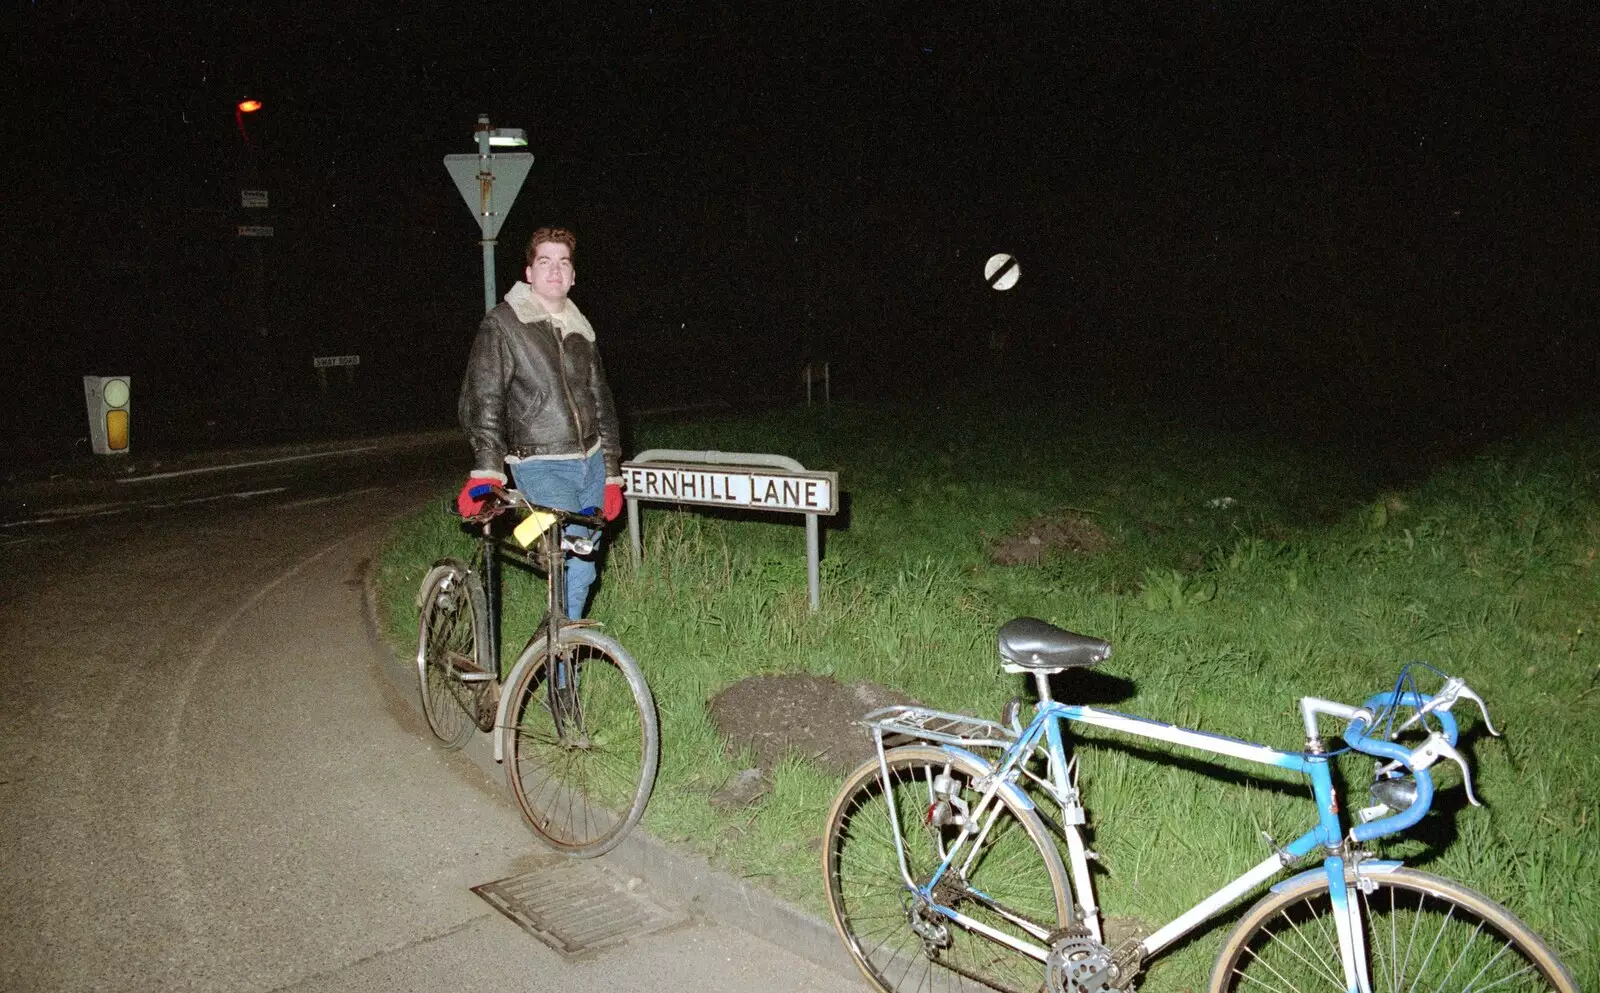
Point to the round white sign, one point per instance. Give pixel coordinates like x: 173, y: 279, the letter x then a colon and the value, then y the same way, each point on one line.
x: 1002, y: 271
x: 115, y: 392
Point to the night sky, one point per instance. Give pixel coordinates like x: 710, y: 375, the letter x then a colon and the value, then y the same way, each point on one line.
x: 1312, y: 221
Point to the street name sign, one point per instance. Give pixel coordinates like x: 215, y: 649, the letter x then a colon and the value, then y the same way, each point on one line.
x: 489, y: 184
x: 331, y: 361
x: 733, y: 486
x: 255, y: 231
x: 252, y: 198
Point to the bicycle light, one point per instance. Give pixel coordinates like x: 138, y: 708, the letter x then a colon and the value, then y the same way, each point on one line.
x: 1396, y: 794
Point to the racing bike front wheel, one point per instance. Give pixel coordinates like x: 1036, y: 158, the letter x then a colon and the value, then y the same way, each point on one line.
x: 1420, y: 931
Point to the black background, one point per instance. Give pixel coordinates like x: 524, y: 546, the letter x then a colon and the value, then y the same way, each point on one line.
x: 1358, y: 225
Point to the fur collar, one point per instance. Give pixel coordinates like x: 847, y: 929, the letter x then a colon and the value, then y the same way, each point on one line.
x: 530, y: 309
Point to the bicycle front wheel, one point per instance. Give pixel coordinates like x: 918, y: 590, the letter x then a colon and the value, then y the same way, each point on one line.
x: 581, y: 742
x: 1422, y: 932
x: 899, y: 942
x: 452, y: 638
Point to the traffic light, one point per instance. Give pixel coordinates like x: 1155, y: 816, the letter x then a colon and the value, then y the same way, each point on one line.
x: 110, y: 427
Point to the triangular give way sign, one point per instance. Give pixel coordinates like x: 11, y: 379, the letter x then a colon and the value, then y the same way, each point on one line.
x: 489, y: 184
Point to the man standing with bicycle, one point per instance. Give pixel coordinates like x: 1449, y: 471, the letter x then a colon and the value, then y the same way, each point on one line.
x: 535, y: 397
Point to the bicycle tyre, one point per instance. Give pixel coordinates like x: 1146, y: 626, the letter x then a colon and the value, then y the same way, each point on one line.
x: 873, y: 910
x: 1422, y: 932
x: 582, y: 782
x: 452, y: 620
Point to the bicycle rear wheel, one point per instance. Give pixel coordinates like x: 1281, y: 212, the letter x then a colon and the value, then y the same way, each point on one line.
x: 898, y: 942
x: 581, y: 742
x: 1423, y: 932
x: 452, y: 638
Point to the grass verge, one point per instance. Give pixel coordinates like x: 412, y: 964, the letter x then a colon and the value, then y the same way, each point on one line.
x: 1238, y: 574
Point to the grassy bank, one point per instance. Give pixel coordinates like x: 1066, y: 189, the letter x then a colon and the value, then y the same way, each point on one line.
x: 1233, y: 575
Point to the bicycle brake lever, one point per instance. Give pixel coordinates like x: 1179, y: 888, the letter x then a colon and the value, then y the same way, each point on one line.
x: 1436, y: 748
x: 1483, y: 708
x: 1453, y: 690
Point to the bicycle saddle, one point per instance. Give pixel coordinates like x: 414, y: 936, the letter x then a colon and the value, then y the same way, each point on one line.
x: 1028, y: 644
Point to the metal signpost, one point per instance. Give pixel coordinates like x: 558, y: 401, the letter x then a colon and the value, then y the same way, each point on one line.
x: 734, y: 479
x: 489, y: 184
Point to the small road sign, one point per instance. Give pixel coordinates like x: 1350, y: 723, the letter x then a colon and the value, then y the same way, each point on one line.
x: 253, y: 198
x: 255, y: 231
x: 329, y: 361
x: 1002, y: 271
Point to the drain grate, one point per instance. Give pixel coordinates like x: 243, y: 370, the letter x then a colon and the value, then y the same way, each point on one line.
x: 576, y: 908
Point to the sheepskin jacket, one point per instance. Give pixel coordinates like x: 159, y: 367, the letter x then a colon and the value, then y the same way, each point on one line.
x: 534, y: 387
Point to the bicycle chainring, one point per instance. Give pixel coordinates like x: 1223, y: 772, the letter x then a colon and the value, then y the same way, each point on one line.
x: 1079, y: 964
x: 487, y: 706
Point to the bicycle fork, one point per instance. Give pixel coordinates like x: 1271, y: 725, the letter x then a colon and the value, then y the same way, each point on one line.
x: 566, y: 706
x: 1347, y: 922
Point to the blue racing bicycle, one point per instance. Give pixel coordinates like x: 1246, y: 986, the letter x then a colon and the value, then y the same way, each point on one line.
x: 944, y: 873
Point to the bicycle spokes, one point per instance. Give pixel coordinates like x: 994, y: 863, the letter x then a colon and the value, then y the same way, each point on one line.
x: 581, y: 742
x: 566, y: 703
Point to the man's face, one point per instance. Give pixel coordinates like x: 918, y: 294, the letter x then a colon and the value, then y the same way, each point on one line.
x: 551, y: 274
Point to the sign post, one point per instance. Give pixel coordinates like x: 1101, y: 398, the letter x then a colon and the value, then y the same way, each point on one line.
x: 489, y: 184
x: 749, y: 480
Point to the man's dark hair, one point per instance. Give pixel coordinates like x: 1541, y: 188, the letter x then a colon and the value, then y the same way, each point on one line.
x: 560, y: 236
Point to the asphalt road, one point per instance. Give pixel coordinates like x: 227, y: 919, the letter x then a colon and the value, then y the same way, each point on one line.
x: 209, y: 783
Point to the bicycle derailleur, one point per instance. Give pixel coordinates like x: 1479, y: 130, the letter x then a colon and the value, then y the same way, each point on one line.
x: 927, y: 924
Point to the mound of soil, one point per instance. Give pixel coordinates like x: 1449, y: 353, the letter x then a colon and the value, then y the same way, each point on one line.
x: 1047, y: 534
x: 812, y: 716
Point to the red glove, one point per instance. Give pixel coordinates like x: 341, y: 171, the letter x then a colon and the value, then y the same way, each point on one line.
x: 477, y: 488
x: 613, y: 501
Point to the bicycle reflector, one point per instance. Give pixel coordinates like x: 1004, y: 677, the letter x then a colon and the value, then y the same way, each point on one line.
x: 110, y: 418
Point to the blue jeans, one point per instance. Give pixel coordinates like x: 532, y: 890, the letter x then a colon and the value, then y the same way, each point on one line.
x: 568, y: 484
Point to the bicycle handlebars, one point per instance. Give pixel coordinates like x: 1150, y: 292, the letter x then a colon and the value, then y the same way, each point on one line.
x: 1440, y: 744
x: 501, y: 499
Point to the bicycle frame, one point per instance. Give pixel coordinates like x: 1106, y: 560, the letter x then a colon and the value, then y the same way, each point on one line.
x: 486, y: 561
x: 1018, y: 745
x: 555, y: 618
